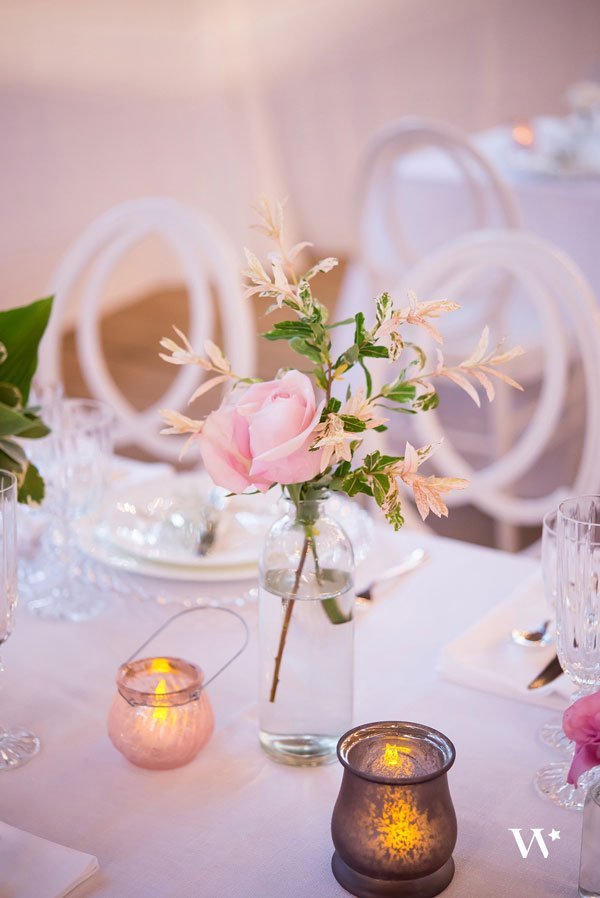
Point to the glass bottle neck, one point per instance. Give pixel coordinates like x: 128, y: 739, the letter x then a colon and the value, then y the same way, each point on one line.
x: 307, y: 511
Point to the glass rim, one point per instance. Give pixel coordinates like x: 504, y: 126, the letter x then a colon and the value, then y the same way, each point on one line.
x: 390, y: 728
x: 9, y: 476
x: 189, y: 690
x: 107, y: 412
x: 560, y: 513
x: 546, y: 520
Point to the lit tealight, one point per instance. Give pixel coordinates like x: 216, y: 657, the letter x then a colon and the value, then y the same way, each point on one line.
x: 522, y: 134
x: 160, y: 716
x: 394, y: 826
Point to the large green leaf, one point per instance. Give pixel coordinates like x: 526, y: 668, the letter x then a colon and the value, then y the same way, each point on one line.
x: 21, y: 330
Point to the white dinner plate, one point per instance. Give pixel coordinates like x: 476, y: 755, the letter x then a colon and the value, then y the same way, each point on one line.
x: 138, y: 520
x: 89, y: 537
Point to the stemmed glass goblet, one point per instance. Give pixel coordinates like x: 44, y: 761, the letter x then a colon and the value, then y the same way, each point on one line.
x: 577, y: 627
x: 552, y: 733
x: 17, y: 746
x: 81, y: 452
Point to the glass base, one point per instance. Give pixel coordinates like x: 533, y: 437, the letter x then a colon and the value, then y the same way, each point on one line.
x: 552, y: 735
x: 364, y: 886
x: 299, y: 750
x: 551, y: 782
x: 17, y: 747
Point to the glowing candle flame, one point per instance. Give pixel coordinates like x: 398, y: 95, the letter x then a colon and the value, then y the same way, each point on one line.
x: 522, y: 134
x: 391, y: 755
x: 160, y: 665
x: 160, y: 713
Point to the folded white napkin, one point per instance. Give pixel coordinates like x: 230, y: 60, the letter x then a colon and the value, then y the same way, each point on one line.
x: 31, y: 867
x: 486, y: 658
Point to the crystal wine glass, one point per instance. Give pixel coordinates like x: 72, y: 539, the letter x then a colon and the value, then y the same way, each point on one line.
x: 577, y: 627
x: 81, y: 450
x: 552, y: 733
x: 16, y: 746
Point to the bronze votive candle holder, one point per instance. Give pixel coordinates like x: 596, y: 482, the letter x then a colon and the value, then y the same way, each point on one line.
x: 394, y: 825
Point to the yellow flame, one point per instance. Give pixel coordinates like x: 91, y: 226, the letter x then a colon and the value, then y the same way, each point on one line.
x: 523, y: 134
x: 160, y: 665
x: 161, y: 688
x: 392, y: 752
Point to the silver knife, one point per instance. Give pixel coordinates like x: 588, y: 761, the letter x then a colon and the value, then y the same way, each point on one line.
x: 551, y: 671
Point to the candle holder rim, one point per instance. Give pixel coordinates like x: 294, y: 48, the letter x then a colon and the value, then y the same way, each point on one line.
x: 442, y: 742
x: 187, y: 693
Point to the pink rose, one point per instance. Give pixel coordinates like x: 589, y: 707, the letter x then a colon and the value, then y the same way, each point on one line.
x: 263, y: 435
x: 581, y: 723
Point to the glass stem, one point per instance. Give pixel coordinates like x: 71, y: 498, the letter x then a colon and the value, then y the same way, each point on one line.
x: 289, y: 607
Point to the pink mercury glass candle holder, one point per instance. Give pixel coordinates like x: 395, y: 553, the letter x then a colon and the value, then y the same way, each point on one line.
x: 160, y: 717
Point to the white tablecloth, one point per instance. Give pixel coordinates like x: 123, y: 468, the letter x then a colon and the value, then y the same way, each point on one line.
x: 232, y: 824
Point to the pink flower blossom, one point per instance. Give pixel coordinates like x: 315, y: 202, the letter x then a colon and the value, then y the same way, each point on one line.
x: 581, y: 723
x: 262, y: 435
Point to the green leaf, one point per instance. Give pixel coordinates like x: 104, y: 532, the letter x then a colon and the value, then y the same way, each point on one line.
x: 320, y: 377
x: 11, y: 396
x: 12, y: 456
x: 37, y: 428
x: 400, y: 392
x: 377, y: 462
x: 333, y: 405
x: 12, y: 422
x: 22, y: 329
x: 359, y: 328
x: 353, y: 424
x: 349, y: 357
x: 303, y: 347
x: 368, y: 379
x: 428, y: 401
x: 31, y: 489
x: 375, y: 352
x: 340, y: 323
x: 383, y: 307
x: 356, y: 482
x: 380, y: 484
x: 285, y: 330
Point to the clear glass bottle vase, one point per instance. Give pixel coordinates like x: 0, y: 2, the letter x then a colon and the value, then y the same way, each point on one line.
x: 306, y: 628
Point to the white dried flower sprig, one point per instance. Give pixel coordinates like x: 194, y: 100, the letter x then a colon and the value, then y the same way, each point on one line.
x: 184, y: 355
x: 480, y: 365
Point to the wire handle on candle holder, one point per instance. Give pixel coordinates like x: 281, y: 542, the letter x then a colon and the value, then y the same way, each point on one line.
x: 189, y: 611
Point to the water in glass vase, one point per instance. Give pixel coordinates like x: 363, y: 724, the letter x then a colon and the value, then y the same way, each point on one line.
x: 306, y: 662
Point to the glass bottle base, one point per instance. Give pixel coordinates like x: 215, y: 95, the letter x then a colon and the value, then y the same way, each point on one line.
x: 17, y: 747
x: 305, y: 750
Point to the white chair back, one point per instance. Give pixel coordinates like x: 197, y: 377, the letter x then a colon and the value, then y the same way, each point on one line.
x: 383, y: 242
x: 569, y: 331
x: 383, y: 254
x: 207, y: 260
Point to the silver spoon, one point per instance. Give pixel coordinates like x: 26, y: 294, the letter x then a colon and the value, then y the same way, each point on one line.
x: 540, y: 636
